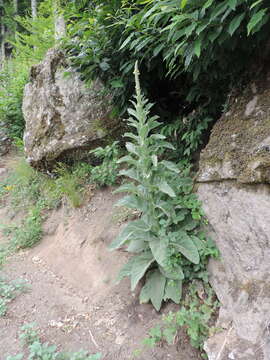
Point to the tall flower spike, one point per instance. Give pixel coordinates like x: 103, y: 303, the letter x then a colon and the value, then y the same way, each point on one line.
x: 137, y: 81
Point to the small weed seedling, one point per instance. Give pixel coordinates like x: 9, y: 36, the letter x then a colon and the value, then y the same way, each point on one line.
x: 37, y: 350
x: 9, y: 290
x: 194, y: 316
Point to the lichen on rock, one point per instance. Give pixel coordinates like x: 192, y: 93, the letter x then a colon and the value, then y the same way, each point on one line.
x: 239, y: 146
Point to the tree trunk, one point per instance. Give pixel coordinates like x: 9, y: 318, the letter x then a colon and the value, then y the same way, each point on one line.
x: 15, y: 6
x: 34, y: 8
x: 59, y: 22
x: 2, y: 34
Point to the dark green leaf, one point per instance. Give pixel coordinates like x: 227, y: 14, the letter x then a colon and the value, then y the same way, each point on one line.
x: 256, y: 18
x: 235, y: 23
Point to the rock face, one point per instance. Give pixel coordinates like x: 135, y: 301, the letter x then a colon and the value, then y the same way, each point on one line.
x: 4, y: 140
x: 62, y: 115
x: 234, y: 186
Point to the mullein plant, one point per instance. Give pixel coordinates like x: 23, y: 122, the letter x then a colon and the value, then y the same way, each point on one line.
x: 166, y: 237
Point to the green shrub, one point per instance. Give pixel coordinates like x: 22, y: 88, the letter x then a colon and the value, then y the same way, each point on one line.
x: 167, y: 237
x: 192, y: 51
x: 68, y: 184
x: 194, y: 317
x: 106, y: 173
x: 32, y: 192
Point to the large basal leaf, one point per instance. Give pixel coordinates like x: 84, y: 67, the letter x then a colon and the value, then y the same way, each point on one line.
x: 173, y: 291
x: 126, y: 270
x: 140, y: 225
x: 153, y: 289
x: 123, y: 237
x: 174, y: 274
x: 137, y: 246
x: 160, y: 251
x: 139, y: 267
x: 137, y: 229
x: 186, y: 246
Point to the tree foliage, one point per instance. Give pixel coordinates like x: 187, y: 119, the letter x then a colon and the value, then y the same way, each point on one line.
x: 189, y: 51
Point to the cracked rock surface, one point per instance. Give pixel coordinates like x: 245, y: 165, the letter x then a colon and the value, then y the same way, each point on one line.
x: 233, y: 185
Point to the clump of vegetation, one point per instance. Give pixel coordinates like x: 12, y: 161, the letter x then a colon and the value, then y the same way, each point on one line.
x: 33, y: 193
x: 192, y: 51
x: 9, y: 290
x: 167, y: 238
x: 105, y: 174
x: 29, y: 333
x: 27, y: 234
x: 195, y: 317
x: 29, y: 45
x: 43, y: 351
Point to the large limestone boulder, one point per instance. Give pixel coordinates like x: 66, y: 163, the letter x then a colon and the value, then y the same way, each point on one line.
x: 234, y: 178
x: 62, y: 115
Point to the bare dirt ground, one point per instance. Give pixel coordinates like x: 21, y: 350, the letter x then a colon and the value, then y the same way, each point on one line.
x: 73, y: 297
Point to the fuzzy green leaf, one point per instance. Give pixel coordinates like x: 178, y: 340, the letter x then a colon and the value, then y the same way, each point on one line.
x: 132, y: 148
x: 125, y: 271
x: 139, y: 267
x: 170, y: 166
x: 137, y: 246
x: 159, y: 250
x: 185, y: 245
x: 131, y: 188
x: 174, y: 274
x: 122, y: 238
x: 166, y: 189
x: 153, y: 289
x: 131, y: 173
x: 132, y: 202
x: 166, y: 207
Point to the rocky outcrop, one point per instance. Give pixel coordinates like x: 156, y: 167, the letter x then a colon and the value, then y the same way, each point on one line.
x: 62, y: 115
x: 4, y: 139
x: 234, y: 178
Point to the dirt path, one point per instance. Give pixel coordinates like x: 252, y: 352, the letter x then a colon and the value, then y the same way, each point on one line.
x: 72, y: 295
